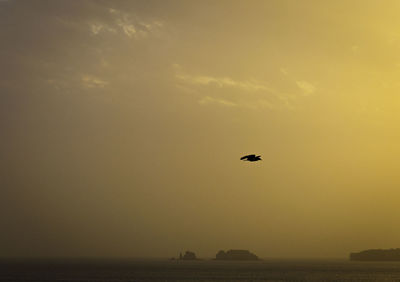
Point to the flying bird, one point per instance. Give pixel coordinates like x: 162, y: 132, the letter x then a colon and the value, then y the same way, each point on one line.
x: 251, y: 158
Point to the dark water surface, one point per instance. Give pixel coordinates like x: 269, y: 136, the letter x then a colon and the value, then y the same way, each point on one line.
x: 205, y: 270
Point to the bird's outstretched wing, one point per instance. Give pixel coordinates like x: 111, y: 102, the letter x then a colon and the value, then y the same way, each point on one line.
x: 248, y: 156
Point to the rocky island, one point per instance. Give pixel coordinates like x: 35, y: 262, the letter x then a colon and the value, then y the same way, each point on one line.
x: 376, y: 255
x: 188, y: 256
x: 236, y: 255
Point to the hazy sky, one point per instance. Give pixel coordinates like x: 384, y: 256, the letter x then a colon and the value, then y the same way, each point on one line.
x: 122, y: 124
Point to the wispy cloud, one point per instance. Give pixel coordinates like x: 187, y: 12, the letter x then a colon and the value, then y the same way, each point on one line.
x: 284, y: 71
x: 90, y: 81
x: 249, y: 93
x: 306, y: 87
x: 128, y: 28
x: 223, y: 102
x: 127, y: 24
x: 249, y: 85
x: 96, y: 28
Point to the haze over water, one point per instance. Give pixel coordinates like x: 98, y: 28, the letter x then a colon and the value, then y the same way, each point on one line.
x: 123, y: 123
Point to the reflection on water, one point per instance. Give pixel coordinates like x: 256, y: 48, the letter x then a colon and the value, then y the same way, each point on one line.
x: 205, y: 270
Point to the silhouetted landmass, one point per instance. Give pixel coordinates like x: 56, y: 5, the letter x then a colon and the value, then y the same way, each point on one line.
x: 251, y: 158
x: 188, y: 256
x: 236, y: 255
x: 377, y: 255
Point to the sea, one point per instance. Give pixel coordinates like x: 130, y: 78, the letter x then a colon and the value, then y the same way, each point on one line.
x: 121, y: 270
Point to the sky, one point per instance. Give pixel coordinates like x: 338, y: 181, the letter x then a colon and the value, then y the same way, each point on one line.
x: 123, y: 123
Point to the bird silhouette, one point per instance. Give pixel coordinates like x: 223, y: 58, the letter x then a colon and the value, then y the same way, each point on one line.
x: 251, y: 158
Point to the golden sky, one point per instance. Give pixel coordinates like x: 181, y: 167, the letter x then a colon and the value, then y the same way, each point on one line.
x: 122, y: 124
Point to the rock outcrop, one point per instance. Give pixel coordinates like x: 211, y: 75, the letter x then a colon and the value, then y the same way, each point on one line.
x: 188, y: 256
x: 236, y: 255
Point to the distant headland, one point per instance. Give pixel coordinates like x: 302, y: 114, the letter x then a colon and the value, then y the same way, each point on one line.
x: 222, y: 255
x: 376, y: 255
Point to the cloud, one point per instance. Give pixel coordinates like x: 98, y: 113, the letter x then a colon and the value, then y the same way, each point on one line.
x: 129, y: 29
x: 90, y: 81
x: 223, y: 102
x: 96, y: 28
x: 206, y: 80
x: 127, y: 24
x: 307, y: 87
x: 250, y: 93
x: 248, y: 85
x: 284, y: 71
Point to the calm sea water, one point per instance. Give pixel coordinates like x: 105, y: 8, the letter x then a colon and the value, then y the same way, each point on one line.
x: 206, y: 270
